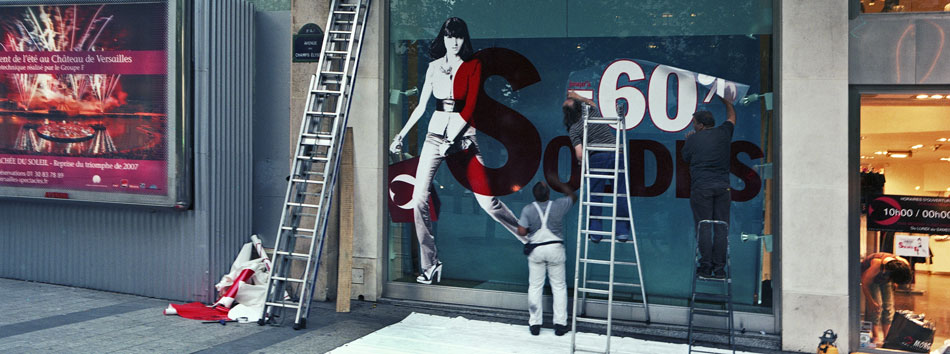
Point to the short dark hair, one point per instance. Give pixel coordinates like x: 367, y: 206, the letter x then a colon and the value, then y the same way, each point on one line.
x: 898, y: 271
x: 705, y: 118
x: 572, y: 113
x: 456, y: 28
x: 541, y: 192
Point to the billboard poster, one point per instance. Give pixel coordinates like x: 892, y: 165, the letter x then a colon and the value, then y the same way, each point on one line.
x: 85, y: 102
x: 476, y: 121
x: 912, y: 214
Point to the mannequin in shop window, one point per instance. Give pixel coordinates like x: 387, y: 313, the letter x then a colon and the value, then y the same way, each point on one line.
x: 879, y: 272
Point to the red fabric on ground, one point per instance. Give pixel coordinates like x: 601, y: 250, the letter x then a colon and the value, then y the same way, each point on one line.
x: 198, y: 311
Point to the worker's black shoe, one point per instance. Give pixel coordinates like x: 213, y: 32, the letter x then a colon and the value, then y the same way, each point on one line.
x: 560, y: 330
x: 535, y: 329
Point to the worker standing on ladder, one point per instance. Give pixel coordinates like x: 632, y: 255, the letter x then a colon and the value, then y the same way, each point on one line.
x: 707, y: 151
x: 576, y: 109
x: 542, y: 222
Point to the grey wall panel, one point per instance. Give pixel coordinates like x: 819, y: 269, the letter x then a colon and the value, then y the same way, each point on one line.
x: 933, y: 58
x: 881, y: 49
x: 177, y: 255
x: 271, y: 119
x: 905, y: 49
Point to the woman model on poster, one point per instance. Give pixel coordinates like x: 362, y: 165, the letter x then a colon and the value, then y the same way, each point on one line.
x: 453, y: 78
x: 879, y: 271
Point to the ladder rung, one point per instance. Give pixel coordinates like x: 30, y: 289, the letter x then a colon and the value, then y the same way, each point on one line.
x: 313, y: 158
x: 595, y: 291
x: 297, y: 180
x: 619, y: 218
x: 292, y: 254
x: 324, y: 114
x: 601, y: 148
x: 328, y: 92
x: 632, y: 285
x: 588, y: 350
x: 598, y: 176
x: 295, y: 280
x: 295, y: 229
x: 339, y: 32
x: 711, y: 279
x: 593, y: 232
x: 609, y: 205
x: 304, y: 205
x: 318, y: 135
x: 292, y: 305
x: 336, y: 52
x: 338, y: 12
x: 348, y: 4
x: 600, y: 261
x: 592, y: 320
x: 610, y: 195
x: 710, y: 296
x: 333, y: 73
x: 710, y: 312
x: 602, y: 121
x: 606, y: 170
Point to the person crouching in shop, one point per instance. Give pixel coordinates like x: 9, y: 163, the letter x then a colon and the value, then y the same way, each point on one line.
x: 879, y: 272
x: 542, y: 222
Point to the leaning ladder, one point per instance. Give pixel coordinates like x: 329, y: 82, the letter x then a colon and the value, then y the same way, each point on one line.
x: 722, y: 297
x: 583, y: 285
x: 313, y: 173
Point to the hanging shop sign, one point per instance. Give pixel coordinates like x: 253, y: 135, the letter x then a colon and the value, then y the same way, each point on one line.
x: 89, y: 107
x: 307, y: 43
x: 913, y: 214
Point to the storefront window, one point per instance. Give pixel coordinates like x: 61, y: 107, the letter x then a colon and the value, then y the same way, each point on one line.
x: 876, y: 6
x: 654, y: 62
x: 905, y: 221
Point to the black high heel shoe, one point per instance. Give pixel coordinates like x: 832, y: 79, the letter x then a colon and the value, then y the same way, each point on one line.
x: 435, y: 271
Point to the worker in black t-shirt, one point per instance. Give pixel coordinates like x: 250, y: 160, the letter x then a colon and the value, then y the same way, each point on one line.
x: 707, y: 151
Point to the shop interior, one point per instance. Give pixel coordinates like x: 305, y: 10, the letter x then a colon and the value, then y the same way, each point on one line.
x: 905, y: 150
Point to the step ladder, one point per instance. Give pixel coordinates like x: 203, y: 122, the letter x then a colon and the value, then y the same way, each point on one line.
x: 313, y: 175
x: 721, y: 298
x: 585, y: 260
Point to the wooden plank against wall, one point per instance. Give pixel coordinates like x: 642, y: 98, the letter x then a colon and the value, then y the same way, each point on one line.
x: 345, y: 264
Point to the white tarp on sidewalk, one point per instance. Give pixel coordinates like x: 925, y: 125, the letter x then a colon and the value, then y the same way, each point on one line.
x: 421, y: 333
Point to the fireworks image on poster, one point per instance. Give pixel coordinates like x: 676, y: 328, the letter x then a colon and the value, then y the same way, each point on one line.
x: 84, y: 83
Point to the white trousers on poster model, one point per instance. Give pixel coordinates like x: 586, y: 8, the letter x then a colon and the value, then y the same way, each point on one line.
x: 547, y: 259
x: 430, y: 158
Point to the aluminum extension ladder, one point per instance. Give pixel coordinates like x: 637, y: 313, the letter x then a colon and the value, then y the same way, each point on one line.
x: 583, y: 285
x: 313, y: 175
x: 722, y: 298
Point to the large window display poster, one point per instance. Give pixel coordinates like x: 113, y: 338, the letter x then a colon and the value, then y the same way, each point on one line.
x: 476, y: 121
x: 85, y: 102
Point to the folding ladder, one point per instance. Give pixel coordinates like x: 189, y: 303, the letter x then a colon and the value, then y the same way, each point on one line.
x: 313, y: 175
x: 722, y: 298
x: 583, y: 285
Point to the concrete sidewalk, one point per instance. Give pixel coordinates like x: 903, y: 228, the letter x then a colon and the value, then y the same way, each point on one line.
x: 45, y: 318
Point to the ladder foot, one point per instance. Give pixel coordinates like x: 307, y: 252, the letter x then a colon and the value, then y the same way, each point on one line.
x: 301, y: 324
x: 261, y: 321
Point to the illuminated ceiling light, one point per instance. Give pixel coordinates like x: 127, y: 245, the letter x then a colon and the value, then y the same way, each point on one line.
x: 880, y: 152
x: 945, y: 159
x: 652, y: 46
x: 936, y: 96
x: 899, y: 154
x: 917, y: 188
x: 942, y: 139
x: 692, y: 15
x: 922, y: 96
x: 667, y: 15
x: 918, y: 146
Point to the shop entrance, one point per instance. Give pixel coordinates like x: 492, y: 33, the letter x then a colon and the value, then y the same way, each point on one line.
x: 905, y: 218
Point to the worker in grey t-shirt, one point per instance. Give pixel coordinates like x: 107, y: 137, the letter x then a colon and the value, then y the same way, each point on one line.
x: 542, y: 222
